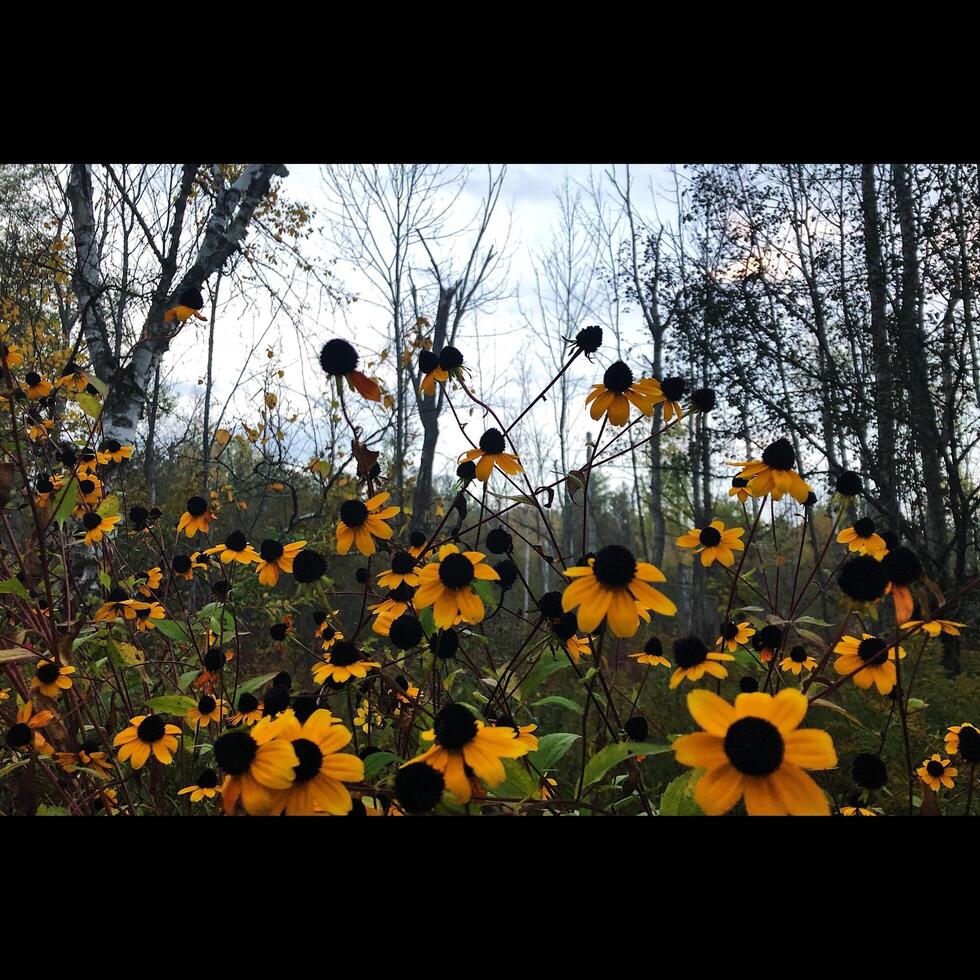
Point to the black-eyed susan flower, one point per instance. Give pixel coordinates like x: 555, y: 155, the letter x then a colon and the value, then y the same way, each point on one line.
x: 416, y: 541
x: 863, y: 538
x: 344, y: 662
x: 797, y: 661
x: 235, y: 548
x: 207, y: 711
x: 258, y: 765
x: 936, y: 772
x: 862, y: 579
x: 526, y: 738
x: 419, y: 787
x: 51, y: 678
x: 197, y: 517
x: 89, y: 492
x: 855, y: 807
x: 403, y: 570
x: 146, y: 614
x: 45, y: 486
x: 89, y: 756
x: 848, y: 484
x: 116, y: 451
x: 405, y: 632
x: 339, y: 359
x: 965, y: 740
x: 89, y: 459
x: 188, y: 304
x: 652, y: 654
x: 868, y: 771
x: 27, y: 729
x: 249, y: 710
x: 934, y: 626
x: 462, y: 741
x: 205, y: 787
x: 388, y: 610
x: 756, y: 750
x: 184, y: 566
x: 774, y: 473
x: 152, y: 580
x: 447, y: 586
x: 714, y: 543
x: 276, y: 558
x: 321, y: 769
x: 491, y: 452
x: 308, y: 566
x: 617, y: 392
x: 611, y: 585
x: 738, y: 489
x: 214, y: 662
x: 118, y: 603
x: 733, y: 634
x: 873, y: 660
x: 694, y: 660
x: 902, y: 568
x: 360, y: 523
x: 431, y: 372
x: 147, y: 734
x: 73, y: 377
x: 566, y: 630
x: 670, y: 391
x: 96, y: 526
x: 35, y: 386
x: 39, y: 429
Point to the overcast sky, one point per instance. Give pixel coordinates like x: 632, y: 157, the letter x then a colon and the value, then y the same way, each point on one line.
x: 528, y: 206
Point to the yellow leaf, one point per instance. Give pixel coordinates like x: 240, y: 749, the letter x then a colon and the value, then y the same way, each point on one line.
x: 132, y: 655
x: 271, y: 400
x: 222, y: 437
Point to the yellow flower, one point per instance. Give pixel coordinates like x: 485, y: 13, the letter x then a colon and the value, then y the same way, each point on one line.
x: 235, y: 548
x: 797, y: 661
x: 492, y: 452
x: 738, y: 489
x: 345, y: 661
x: 613, y: 584
x: 276, y: 558
x: 206, y: 787
x: 970, y: 736
x: 651, y: 654
x: 756, y: 750
x: 96, y: 526
x: 447, y: 585
x: 26, y: 731
x: 51, y: 678
x: 258, y: 764
x: 207, y: 711
x: 733, y: 634
x: 146, y: 612
x: 196, y: 518
x: 461, y: 742
x: 35, y: 386
x: 863, y: 539
x: 249, y: 710
x: 774, y: 473
x: 154, y: 576
x: 694, y: 661
x: 360, y: 523
x: 934, y: 626
x: 714, y: 543
x: 618, y: 391
x: 147, y: 734
x: 669, y: 391
x: 403, y: 571
x: 872, y: 658
x: 89, y: 756
x: 936, y: 772
x: 114, y: 450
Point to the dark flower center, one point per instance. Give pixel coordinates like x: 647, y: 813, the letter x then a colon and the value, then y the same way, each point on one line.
x: 151, y: 729
x: 181, y: 564
x: 729, y: 630
x: 44, y: 485
x: 117, y: 595
x: 344, y: 653
x: 353, y: 513
x: 402, y: 592
x: 798, y: 654
x: 144, y: 613
x: 206, y: 704
x: 196, y: 506
x: 90, y: 745
x: 192, y: 297
x: 863, y: 579
x: 450, y: 358
x: 618, y: 378
x: 455, y: 571
x: 278, y: 631
x: 637, y: 729
x: 748, y: 685
x: 614, y: 566
x: 566, y: 627
x: 507, y: 571
x: 214, y: 659
x: 465, y: 471
x: 406, y: 632
x: 416, y: 539
x: 848, y: 483
x: 418, y: 787
x: 236, y: 541
x: 428, y: 361
x: 444, y: 644
x: 308, y: 566
x: 86, y: 486
x: 703, y: 399
x: 208, y: 779
x: 935, y: 769
x: 710, y: 536
x: 739, y: 481
x: 402, y: 563
x: 969, y: 744
x: 779, y: 455
x: 48, y: 673
x: 589, y: 339
x: 689, y: 651
x: 492, y: 442
x: 654, y: 647
x: 902, y: 566
x: 873, y: 651
x: 247, y: 703
x: 455, y: 726
x: 303, y: 706
x: 864, y: 527
x: 337, y: 357
x: 32, y: 378
x: 754, y: 746
x: 550, y: 605
x: 674, y: 388
x: 18, y: 736
x: 91, y: 521
x: 310, y: 759
x: 271, y: 550
x: 234, y: 751
x: 869, y: 771
x: 138, y: 516
x: 499, y: 542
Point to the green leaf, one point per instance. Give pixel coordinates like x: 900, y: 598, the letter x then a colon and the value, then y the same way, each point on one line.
x: 89, y: 404
x: 813, y: 621
x: 14, y: 586
x: 249, y: 687
x: 678, y: 798
x: 172, y: 630
x: 43, y: 810
x: 558, y: 701
x: 186, y: 678
x: 547, y: 665
x: 427, y: 619
x: 486, y: 592
x: 551, y: 748
x: 109, y: 506
x: 100, y: 386
x: 104, y: 579
x: 614, y: 754
x: 519, y: 782
x: 67, y: 497
x: 377, y: 761
x: 171, y: 704
x: 12, y: 766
